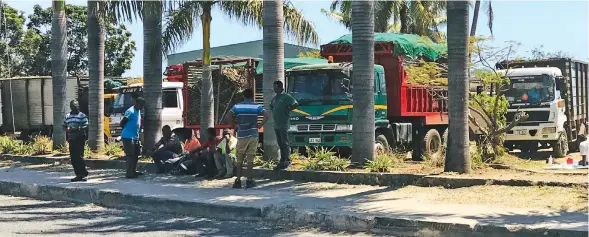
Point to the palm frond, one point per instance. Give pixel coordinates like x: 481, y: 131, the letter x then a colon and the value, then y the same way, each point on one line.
x: 489, y: 10
x: 248, y: 13
x: 339, y: 17
x: 180, y: 25
x: 123, y: 10
x: 296, y: 25
x: 383, y: 12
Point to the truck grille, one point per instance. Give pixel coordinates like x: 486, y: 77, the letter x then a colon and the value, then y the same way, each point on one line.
x: 316, y: 127
x: 115, y: 130
x: 535, y: 116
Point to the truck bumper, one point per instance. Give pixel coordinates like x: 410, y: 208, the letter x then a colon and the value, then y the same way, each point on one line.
x: 542, y: 132
x: 326, y: 139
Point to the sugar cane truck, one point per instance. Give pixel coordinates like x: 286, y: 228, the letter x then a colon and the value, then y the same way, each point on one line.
x: 553, y: 92
x: 404, y: 113
x: 181, y: 92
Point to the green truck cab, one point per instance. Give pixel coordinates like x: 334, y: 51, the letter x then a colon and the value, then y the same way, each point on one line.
x: 324, y: 115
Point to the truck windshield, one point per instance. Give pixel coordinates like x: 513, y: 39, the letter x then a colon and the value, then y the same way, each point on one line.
x: 125, y: 99
x: 530, y: 89
x: 319, y: 85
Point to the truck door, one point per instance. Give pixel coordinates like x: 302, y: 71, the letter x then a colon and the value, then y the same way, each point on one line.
x: 171, y: 108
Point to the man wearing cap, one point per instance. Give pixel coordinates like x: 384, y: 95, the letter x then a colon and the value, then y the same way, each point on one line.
x: 131, y: 124
x: 76, y: 126
x: 224, y: 154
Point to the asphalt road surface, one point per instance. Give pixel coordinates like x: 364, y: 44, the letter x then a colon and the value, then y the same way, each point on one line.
x: 28, y: 217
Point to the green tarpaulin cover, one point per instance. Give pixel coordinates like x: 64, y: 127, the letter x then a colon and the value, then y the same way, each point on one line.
x: 292, y: 62
x: 409, y: 45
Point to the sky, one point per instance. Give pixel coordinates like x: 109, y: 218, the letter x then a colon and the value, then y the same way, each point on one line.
x: 555, y: 25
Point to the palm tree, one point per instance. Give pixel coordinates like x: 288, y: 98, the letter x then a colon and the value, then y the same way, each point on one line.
x: 96, y: 74
x: 363, y: 80
x: 58, y: 70
x: 475, y: 17
x: 152, y: 69
x: 457, y: 155
x: 273, y: 66
x: 414, y: 17
x: 182, y: 23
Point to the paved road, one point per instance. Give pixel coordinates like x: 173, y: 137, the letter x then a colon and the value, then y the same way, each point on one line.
x: 28, y: 217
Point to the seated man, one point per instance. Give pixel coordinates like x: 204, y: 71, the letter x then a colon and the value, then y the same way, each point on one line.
x: 224, y: 154
x: 203, y: 157
x: 165, y: 149
x: 584, y: 149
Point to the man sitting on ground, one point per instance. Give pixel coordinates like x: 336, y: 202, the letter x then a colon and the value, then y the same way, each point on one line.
x: 224, y: 155
x: 203, y: 156
x: 165, y: 149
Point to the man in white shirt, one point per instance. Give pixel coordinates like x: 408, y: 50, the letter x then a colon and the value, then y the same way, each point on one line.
x: 584, y: 149
x: 223, y: 155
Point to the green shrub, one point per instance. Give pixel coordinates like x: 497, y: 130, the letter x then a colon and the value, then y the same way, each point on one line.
x: 8, y: 144
x: 270, y: 164
x: 42, y: 145
x: 383, y: 162
x: 23, y: 149
x: 113, y: 149
x: 65, y: 149
x: 322, y: 158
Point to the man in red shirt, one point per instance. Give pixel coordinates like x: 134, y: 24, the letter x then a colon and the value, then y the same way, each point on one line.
x: 203, y: 157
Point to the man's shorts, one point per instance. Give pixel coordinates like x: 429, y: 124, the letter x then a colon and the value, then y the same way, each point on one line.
x: 247, y: 145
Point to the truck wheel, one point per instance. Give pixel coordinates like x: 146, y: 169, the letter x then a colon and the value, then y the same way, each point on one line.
x: 445, y: 138
x: 432, y: 143
x: 561, y: 146
x: 380, y: 143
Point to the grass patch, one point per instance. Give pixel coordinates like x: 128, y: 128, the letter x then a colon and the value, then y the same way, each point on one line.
x: 42, y: 145
x: 384, y: 162
x: 113, y: 150
x: 324, y: 159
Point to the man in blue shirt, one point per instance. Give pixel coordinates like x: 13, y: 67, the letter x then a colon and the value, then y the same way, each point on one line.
x: 131, y: 124
x: 246, y: 113
x: 76, y: 125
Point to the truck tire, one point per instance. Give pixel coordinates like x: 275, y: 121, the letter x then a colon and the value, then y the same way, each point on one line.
x: 381, y: 143
x: 561, y: 146
x: 432, y: 143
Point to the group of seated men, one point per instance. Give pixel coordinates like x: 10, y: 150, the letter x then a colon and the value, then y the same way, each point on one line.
x: 214, y: 159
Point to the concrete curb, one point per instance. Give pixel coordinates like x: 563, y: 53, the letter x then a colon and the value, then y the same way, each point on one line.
x: 288, y: 214
x: 355, y: 178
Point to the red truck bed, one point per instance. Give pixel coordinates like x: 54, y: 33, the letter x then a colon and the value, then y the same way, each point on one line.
x: 405, y: 103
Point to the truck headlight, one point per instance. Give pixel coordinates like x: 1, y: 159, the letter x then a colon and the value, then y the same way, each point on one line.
x: 343, y: 127
x: 549, y: 130
x: 292, y: 128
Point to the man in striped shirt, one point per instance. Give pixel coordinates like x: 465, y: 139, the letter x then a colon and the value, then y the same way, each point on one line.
x: 76, y: 126
x: 246, y: 113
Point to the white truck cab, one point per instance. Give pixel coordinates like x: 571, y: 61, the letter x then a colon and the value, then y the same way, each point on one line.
x: 172, y: 106
x: 534, y: 91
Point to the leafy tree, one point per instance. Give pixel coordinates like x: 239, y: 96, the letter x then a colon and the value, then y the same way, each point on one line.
x: 17, y: 45
x: 309, y: 54
x: 120, y: 49
x: 538, y: 53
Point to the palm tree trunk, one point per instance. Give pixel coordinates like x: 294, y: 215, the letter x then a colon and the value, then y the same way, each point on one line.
x: 58, y: 70
x: 457, y: 155
x: 152, y: 69
x: 475, y: 18
x: 96, y: 76
x: 363, y: 80
x: 207, y: 102
x: 404, y: 18
x: 273, y: 22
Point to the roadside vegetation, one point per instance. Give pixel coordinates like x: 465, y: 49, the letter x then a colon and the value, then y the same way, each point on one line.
x: 42, y: 145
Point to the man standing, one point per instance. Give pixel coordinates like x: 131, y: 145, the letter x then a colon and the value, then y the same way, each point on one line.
x: 281, y: 106
x: 224, y: 154
x: 76, y: 125
x: 246, y: 113
x: 584, y: 149
x: 170, y: 146
x: 131, y: 124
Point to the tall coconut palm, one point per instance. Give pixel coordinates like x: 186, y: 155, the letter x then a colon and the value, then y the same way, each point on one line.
x: 96, y: 74
x: 457, y: 155
x: 273, y: 65
x: 363, y: 80
x: 152, y: 69
x: 414, y: 17
x: 182, y: 23
x: 58, y: 70
x: 475, y: 17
